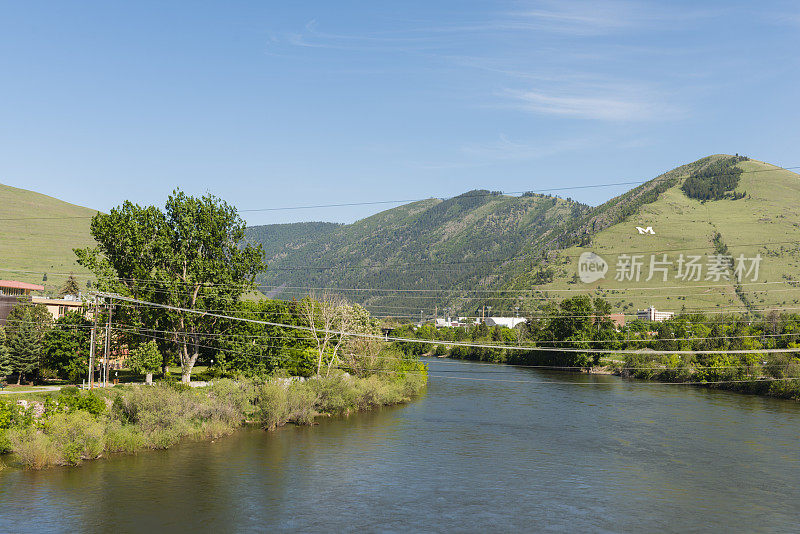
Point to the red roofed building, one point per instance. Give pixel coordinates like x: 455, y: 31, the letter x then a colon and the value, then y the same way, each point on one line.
x: 14, y: 288
x: 11, y: 292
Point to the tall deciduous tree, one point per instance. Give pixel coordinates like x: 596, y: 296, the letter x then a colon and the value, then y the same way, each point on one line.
x: 325, y: 316
x: 145, y: 359
x: 189, y: 255
x: 66, y: 347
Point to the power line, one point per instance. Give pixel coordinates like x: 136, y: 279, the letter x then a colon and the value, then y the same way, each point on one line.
x: 444, y: 342
x: 399, y: 201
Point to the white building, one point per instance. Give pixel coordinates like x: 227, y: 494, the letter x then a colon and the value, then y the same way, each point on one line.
x: 508, y: 322
x: 652, y: 314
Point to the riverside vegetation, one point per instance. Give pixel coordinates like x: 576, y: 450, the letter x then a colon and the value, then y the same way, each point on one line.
x: 289, y: 361
x: 584, y: 323
x: 75, y: 425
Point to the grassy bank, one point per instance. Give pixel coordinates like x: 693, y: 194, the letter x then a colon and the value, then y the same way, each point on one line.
x: 73, y: 426
x: 771, y: 375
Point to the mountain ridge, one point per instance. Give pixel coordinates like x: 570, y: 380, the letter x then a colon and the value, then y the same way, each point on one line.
x: 525, y: 258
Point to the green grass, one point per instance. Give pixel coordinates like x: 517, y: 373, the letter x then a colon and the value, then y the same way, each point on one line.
x: 771, y: 213
x: 44, y: 245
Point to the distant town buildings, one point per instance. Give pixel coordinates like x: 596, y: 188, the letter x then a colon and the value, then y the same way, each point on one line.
x: 508, y: 322
x: 60, y: 307
x: 652, y: 314
x: 13, y: 292
x: 446, y: 322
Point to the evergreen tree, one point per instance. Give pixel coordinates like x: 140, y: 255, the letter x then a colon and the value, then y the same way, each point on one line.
x: 5, y: 358
x: 71, y: 286
x: 26, y: 347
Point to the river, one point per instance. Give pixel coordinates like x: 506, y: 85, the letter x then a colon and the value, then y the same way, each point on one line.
x: 487, y: 447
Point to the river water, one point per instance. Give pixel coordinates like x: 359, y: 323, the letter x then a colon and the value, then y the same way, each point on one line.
x: 487, y: 447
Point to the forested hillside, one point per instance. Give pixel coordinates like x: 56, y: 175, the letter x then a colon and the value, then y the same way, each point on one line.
x: 433, y: 244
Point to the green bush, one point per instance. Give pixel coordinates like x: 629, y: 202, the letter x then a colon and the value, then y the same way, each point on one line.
x: 73, y: 400
x: 123, y: 438
x: 280, y: 403
x: 5, y: 443
x: 13, y: 416
x: 335, y: 394
x: 76, y: 435
x: 33, y: 448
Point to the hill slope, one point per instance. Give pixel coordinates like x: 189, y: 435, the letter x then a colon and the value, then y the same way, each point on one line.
x: 37, y: 236
x: 428, y: 245
x: 761, y: 215
x: 530, y: 246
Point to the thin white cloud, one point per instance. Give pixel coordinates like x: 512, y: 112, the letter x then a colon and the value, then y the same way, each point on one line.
x: 505, y: 149
x: 599, y: 17
x: 596, y: 106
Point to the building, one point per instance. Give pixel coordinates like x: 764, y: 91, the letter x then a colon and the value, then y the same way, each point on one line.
x: 508, y: 322
x: 450, y: 322
x: 12, y: 293
x: 12, y: 288
x: 60, y: 307
x: 618, y: 319
x: 652, y: 314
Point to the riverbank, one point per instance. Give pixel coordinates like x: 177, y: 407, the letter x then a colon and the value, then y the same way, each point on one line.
x: 775, y: 376
x: 73, y: 426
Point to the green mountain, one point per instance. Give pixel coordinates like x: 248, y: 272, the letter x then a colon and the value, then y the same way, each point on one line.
x: 37, y: 235
x: 445, y: 252
x: 433, y: 244
x: 701, y: 209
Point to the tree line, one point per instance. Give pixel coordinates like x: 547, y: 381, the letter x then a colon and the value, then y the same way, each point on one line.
x: 583, y: 323
x: 183, y: 280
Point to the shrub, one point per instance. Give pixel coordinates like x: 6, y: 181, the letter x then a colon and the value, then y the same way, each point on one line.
x: 123, y: 438
x: 33, y: 448
x: 73, y: 399
x: 280, y: 403
x: 76, y: 435
x: 335, y: 394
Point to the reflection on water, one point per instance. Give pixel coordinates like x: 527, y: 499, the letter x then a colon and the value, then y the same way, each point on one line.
x: 541, y: 451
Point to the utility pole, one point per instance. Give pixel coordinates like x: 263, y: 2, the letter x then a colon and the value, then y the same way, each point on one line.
x: 108, y: 346
x: 91, y: 346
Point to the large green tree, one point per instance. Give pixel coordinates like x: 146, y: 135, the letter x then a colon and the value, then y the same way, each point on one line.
x: 145, y: 359
x: 26, y: 311
x: 188, y: 255
x: 66, y: 347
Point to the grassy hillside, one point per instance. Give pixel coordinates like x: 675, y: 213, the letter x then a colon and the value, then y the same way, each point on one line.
x: 37, y: 235
x: 428, y: 245
x: 530, y: 246
x: 766, y: 221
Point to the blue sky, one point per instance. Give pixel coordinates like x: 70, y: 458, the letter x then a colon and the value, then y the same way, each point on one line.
x: 270, y: 104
